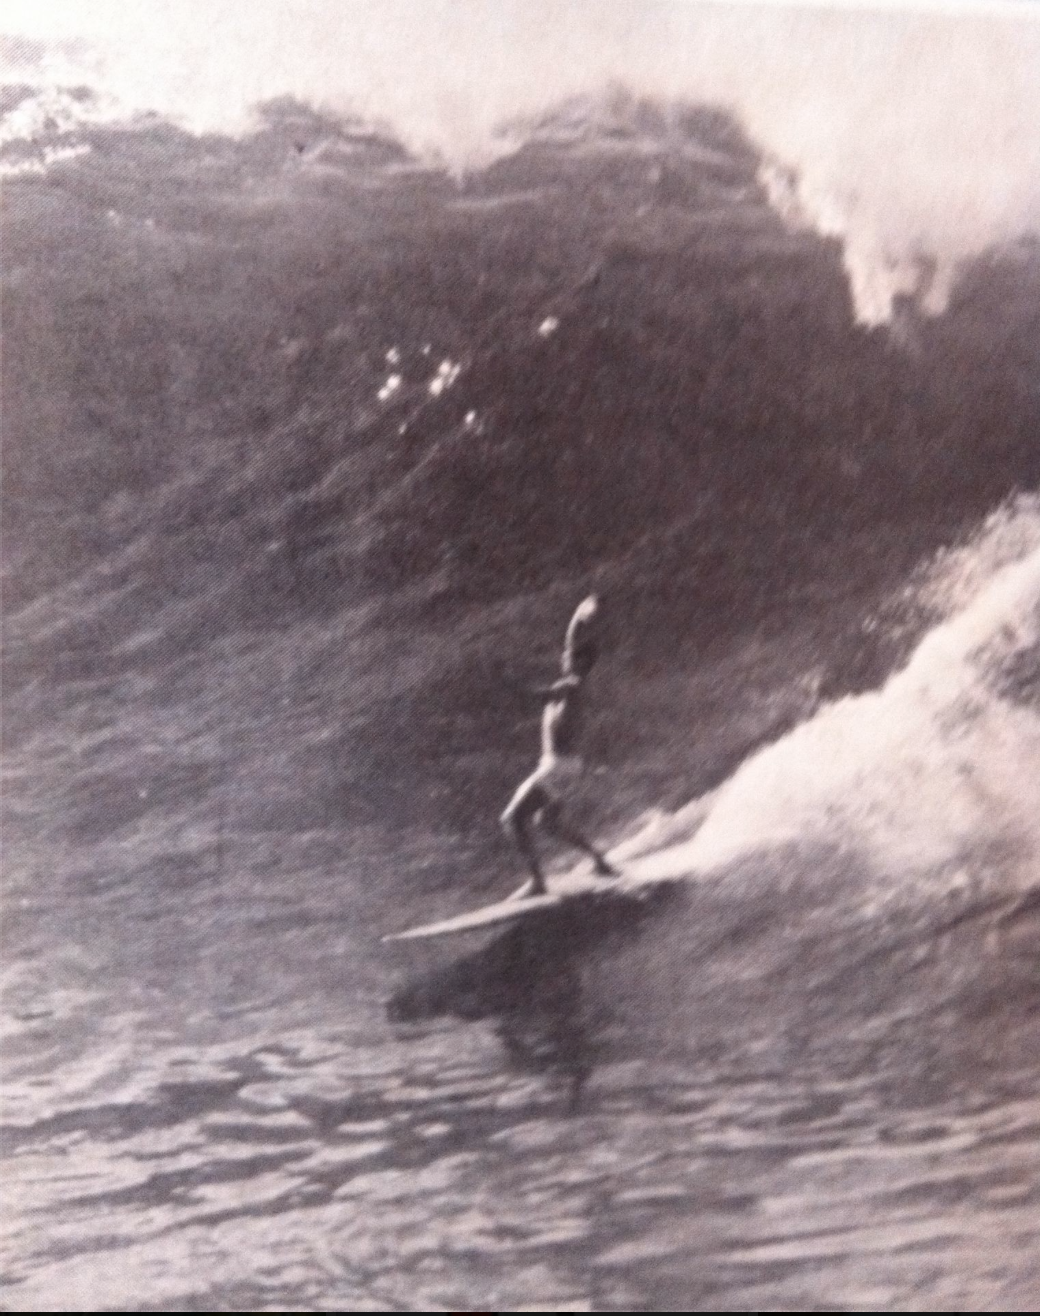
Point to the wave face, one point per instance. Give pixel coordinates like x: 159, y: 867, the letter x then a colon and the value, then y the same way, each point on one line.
x: 932, y: 777
x: 897, y: 825
x: 310, y: 447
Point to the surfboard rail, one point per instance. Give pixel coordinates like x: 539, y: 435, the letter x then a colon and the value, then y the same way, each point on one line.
x: 566, y: 890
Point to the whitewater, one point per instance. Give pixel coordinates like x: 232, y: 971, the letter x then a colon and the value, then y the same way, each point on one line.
x: 931, y: 779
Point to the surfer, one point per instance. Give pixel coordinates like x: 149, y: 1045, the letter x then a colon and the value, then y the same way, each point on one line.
x: 539, y: 799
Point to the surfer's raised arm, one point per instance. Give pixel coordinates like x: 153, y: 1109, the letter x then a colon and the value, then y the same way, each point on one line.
x: 581, y: 644
x: 580, y: 652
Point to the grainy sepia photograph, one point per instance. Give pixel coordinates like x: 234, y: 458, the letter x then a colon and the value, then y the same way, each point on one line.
x: 521, y: 656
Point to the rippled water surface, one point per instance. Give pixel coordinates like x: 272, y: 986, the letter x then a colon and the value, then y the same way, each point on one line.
x: 803, y: 1083
x: 184, y: 1150
x: 314, y: 451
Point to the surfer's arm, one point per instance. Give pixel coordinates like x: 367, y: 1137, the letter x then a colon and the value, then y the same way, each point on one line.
x: 559, y: 687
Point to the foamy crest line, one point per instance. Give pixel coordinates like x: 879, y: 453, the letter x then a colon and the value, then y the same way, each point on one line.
x: 937, y: 774
x: 910, y: 132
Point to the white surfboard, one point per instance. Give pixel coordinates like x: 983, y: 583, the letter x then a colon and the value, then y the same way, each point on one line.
x: 563, y: 890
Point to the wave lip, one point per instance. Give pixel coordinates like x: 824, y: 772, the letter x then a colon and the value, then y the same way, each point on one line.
x: 863, y: 112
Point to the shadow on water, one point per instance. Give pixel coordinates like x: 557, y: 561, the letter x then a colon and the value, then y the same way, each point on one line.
x: 530, y: 981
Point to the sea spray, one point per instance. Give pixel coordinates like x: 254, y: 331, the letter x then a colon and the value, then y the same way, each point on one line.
x: 883, y: 126
x: 936, y: 774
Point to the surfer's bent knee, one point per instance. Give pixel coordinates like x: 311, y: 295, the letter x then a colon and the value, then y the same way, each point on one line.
x: 522, y: 808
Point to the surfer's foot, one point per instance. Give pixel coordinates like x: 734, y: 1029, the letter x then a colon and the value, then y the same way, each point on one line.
x: 603, y: 869
x: 532, y: 887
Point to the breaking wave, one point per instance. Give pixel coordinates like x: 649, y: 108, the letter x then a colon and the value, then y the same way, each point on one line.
x: 932, y: 776
x: 875, y: 146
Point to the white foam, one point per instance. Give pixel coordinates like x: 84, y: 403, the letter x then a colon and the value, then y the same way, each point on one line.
x: 908, y: 131
x: 935, y: 774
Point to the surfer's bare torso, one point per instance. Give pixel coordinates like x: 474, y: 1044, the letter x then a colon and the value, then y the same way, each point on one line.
x: 563, y: 720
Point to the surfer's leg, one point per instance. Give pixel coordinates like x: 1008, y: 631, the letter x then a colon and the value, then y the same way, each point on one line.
x: 529, y: 800
x: 554, y: 822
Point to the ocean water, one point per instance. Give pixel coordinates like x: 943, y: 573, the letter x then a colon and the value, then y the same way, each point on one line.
x: 270, y: 620
x: 808, y: 1081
